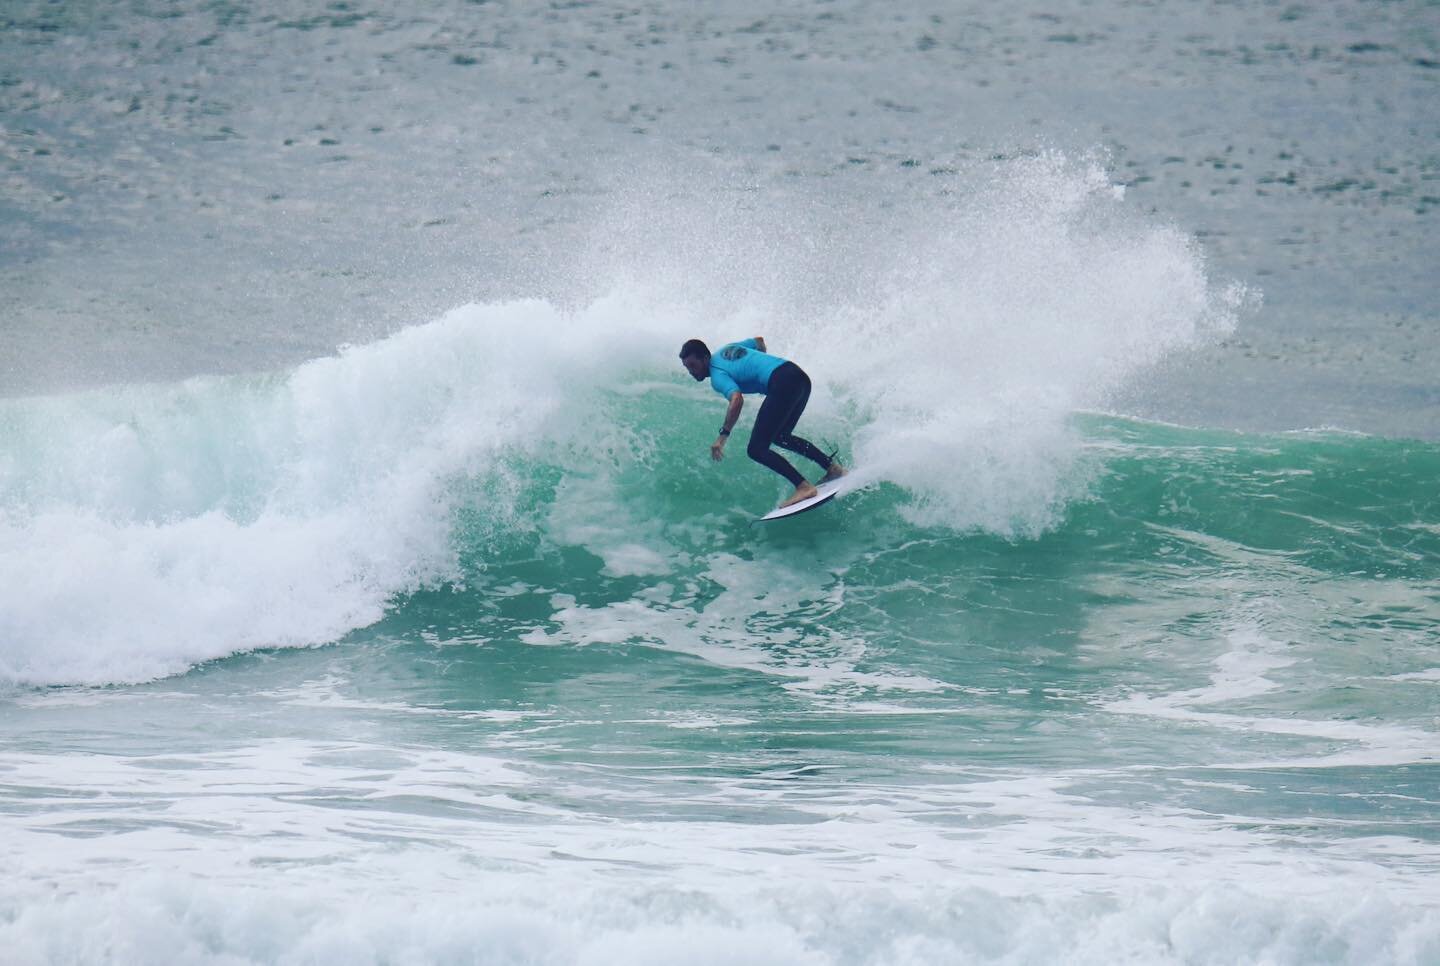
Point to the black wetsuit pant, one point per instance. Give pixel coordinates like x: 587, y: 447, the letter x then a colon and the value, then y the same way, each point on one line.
x: 785, y: 399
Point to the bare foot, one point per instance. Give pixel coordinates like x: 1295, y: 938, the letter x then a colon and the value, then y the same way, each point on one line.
x: 833, y: 473
x: 802, y: 492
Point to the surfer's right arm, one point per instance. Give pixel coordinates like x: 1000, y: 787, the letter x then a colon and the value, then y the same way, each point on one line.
x: 732, y: 416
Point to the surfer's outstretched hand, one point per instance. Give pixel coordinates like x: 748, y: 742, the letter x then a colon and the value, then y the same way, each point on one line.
x: 717, y: 449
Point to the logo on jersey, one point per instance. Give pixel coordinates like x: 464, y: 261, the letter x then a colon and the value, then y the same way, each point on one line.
x: 733, y: 352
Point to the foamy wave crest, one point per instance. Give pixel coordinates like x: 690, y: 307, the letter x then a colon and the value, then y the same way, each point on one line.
x: 146, y: 529
x: 1039, y: 297
x: 160, y: 920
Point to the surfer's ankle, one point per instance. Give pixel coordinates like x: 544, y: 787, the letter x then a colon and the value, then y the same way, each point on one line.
x: 834, y: 472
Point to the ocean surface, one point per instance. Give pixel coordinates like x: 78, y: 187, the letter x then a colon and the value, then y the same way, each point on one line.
x: 368, y: 594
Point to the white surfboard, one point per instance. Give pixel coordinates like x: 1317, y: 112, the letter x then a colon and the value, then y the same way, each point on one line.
x: 824, y: 494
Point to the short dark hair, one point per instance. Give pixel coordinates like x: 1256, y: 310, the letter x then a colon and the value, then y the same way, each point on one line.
x: 694, y: 348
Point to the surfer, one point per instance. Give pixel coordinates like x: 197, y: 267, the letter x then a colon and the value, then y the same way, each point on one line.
x: 741, y: 367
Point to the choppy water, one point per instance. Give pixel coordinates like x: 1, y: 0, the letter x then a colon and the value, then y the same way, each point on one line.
x: 452, y: 645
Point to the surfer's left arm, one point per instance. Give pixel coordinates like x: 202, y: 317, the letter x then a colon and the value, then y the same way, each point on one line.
x: 760, y: 343
x: 732, y: 416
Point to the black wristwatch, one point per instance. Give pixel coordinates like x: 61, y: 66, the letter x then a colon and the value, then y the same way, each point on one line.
x: 724, y: 431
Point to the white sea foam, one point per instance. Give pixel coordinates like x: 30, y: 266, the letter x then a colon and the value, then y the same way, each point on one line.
x: 1429, y: 674
x: 157, y: 919
x: 1041, y: 298
x: 375, y: 854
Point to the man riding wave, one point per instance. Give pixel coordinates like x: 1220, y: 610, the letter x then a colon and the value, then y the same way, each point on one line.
x: 744, y: 367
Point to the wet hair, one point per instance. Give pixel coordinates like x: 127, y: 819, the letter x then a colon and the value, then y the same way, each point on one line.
x: 694, y: 348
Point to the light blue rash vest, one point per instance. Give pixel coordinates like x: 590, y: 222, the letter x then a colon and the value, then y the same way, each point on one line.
x: 742, y: 367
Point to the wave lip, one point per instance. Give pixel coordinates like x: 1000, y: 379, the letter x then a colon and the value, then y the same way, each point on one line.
x: 146, y: 529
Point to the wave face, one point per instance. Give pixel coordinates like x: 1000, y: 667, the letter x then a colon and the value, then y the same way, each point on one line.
x: 149, y: 528
x: 153, y: 528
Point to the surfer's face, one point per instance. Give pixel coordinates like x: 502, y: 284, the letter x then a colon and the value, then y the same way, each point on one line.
x: 697, y: 367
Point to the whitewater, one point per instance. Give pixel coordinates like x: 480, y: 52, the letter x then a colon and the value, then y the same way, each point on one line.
x: 393, y: 611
